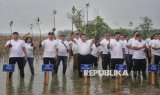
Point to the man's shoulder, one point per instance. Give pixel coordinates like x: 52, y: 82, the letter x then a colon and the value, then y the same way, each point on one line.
x: 112, y: 40
x: 21, y: 41
x: 45, y: 40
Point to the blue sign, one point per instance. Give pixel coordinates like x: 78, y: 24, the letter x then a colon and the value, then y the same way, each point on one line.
x: 121, y: 67
x: 153, y: 68
x: 47, y: 67
x: 8, y: 68
x: 86, y: 67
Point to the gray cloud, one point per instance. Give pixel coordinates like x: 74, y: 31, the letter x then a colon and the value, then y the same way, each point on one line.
x: 115, y: 12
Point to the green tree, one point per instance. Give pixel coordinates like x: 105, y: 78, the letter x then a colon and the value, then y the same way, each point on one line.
x: 123, y: 31
x: 145, y: 26
x: 76, y: 18
x: 64, y: 32
x: 98, y: 26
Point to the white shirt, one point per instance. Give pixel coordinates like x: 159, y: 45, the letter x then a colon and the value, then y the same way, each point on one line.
x: 74, y: 47
x: 49, y: 48
x: 130, y: 42
x: 104, y: 44
x: 16, y: 49
x: 84, y: 47
x: 62, y: 49
x: 127, y: 50
x: 29, y: 49
x: 77, y: 39
x: 147, y: 41
x: 152, y: 43
x: 156, y: 44
x: 116, y: 48
x: 138, y: 54
x: 95, y: 50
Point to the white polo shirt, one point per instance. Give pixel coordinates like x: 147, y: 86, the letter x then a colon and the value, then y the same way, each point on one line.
x: 77, y: 39
x: 29, y: 49
x: 116, y: 48
x: 62, y: 50
x: 104, y: 44
x: 84, y: 47
x: 156, y: 44
x: 130, y: 42
x: 16, y: 49
x: 49, y: 48
x: 74, y: 47
x: 152, y: 43
x: 96, y: 50
x: 147, y: 41
x: 127, y: 50
x: 138, y: 54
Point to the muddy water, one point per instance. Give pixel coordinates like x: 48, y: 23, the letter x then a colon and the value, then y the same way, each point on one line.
x: 72, y: 85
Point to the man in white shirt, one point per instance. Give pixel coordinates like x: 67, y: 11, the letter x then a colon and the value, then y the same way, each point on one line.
x: 150, y: 51
x: 129, y: 43
x: 139, y: 56
x: 105, y: 52
x: 77, y: 36
x: 151, y: 44
x: 74, y: 50
x: 63, y: 52
x: 84, y: 47
x: 50, y: 53
x: 117, y: 51
x: 132, y: 40
x: 156, y: 48
x: 16, y: 50
x: 128, y: 55
x: 95, y: 53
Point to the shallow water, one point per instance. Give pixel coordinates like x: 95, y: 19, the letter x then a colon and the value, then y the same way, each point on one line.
x: 72, y: 85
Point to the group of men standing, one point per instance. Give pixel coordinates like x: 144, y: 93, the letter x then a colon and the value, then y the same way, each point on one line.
x: 117, y: 49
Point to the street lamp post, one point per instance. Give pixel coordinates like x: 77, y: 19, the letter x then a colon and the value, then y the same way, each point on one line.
x: 87, y: 6
x: 54, y: 20
x: 73, y: 12
x: 11, y: 24
x: 31, y: 29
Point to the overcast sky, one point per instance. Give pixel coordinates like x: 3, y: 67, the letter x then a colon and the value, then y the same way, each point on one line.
x: 117, y: 13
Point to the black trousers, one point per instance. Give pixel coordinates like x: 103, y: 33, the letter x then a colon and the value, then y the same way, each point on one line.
x: 83, y: 59
x: 64, y: 63
x: 139, y: 65
x: 115, y: 61
x: 94, y: 61
x: 47, y: 60
x: 156, y: 59
x: 106, y: 61
x: 129, y: 62
x: 19, y: 61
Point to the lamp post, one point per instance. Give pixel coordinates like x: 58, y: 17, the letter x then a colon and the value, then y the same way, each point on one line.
x: 54, y: 20
x: 31, y: 29
x: 87, y: 6
x: 73, y: 12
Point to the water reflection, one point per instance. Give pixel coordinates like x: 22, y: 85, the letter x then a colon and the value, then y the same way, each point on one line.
x: 30, y: 86
x: 10, y: 89
x: 21, y: 89
x: 72, y: 85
